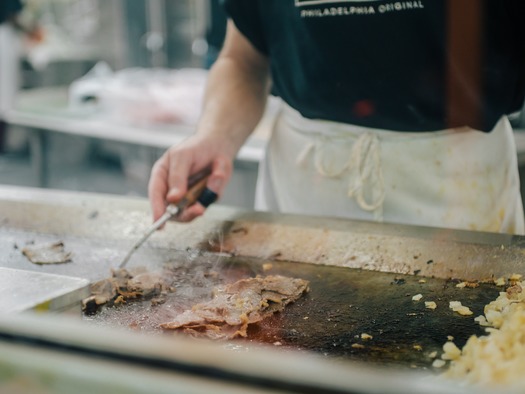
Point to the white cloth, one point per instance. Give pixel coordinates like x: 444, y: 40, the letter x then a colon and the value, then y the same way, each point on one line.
x: 10, y: 52
x: 461, y: 178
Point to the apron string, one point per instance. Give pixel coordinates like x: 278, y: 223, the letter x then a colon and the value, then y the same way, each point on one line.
x: 363, y: 166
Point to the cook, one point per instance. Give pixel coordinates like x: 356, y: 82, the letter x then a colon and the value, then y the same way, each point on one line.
x: 396, y: 116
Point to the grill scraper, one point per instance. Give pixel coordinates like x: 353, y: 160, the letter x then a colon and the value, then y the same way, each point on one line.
x: 197, y: 192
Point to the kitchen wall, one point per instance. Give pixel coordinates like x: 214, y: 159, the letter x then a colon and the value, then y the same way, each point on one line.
x: 123, y: 33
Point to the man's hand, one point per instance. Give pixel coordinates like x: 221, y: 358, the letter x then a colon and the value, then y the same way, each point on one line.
x: 169, y: 176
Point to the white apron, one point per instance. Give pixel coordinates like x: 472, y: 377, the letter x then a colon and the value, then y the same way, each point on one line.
x: 461, y: 178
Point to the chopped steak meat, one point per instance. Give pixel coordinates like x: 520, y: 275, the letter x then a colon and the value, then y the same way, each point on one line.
x: 237, y: 305
x: 47, y: 253
x: 124, y: 286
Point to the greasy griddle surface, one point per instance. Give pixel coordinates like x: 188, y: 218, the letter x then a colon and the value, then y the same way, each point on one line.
x: 342, y: 304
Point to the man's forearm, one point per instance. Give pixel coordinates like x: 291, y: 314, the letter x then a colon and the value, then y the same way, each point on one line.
x: 235, y: 99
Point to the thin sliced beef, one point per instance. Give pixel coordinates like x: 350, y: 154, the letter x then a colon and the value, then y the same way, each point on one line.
x: 237, y: 305
x: 47, y: 253
x: 123, y: 286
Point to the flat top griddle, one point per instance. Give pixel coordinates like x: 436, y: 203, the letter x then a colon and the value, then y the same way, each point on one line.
x: 342, y: 304
x: 362, y: 274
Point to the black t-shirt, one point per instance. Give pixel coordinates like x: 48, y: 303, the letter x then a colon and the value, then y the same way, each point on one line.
x: 389, y: 64
x: 9, y: 8
x: 216, y: 28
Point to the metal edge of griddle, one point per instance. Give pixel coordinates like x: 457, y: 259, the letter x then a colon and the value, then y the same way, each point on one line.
x: 383, y: 247
x: 41, y: 292
x: 228, y: 217
x: 386, y: 247
x: 378, y: 228
x: 262, y: 369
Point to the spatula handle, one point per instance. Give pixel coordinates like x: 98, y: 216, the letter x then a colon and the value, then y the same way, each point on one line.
x: 197, y: 190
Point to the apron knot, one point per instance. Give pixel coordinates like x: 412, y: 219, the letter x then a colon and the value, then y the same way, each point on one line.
x: 363, y: 164
x: 366, y: 174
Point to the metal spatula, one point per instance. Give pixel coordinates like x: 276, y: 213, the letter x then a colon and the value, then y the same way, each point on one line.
x: 197, y: 192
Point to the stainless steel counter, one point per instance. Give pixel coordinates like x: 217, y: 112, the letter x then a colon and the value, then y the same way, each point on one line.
x: 22, y: 290
x: 102, y: 227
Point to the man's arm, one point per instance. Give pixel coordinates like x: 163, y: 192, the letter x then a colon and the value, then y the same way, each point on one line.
x: 236, y: 93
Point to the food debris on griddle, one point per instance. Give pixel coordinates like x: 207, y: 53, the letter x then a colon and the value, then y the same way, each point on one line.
x: 237, y: 305
x: 47, y: 253
x: 123, y: 286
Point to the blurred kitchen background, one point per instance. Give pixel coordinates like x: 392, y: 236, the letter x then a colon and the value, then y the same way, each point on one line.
x: 110, y: 86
